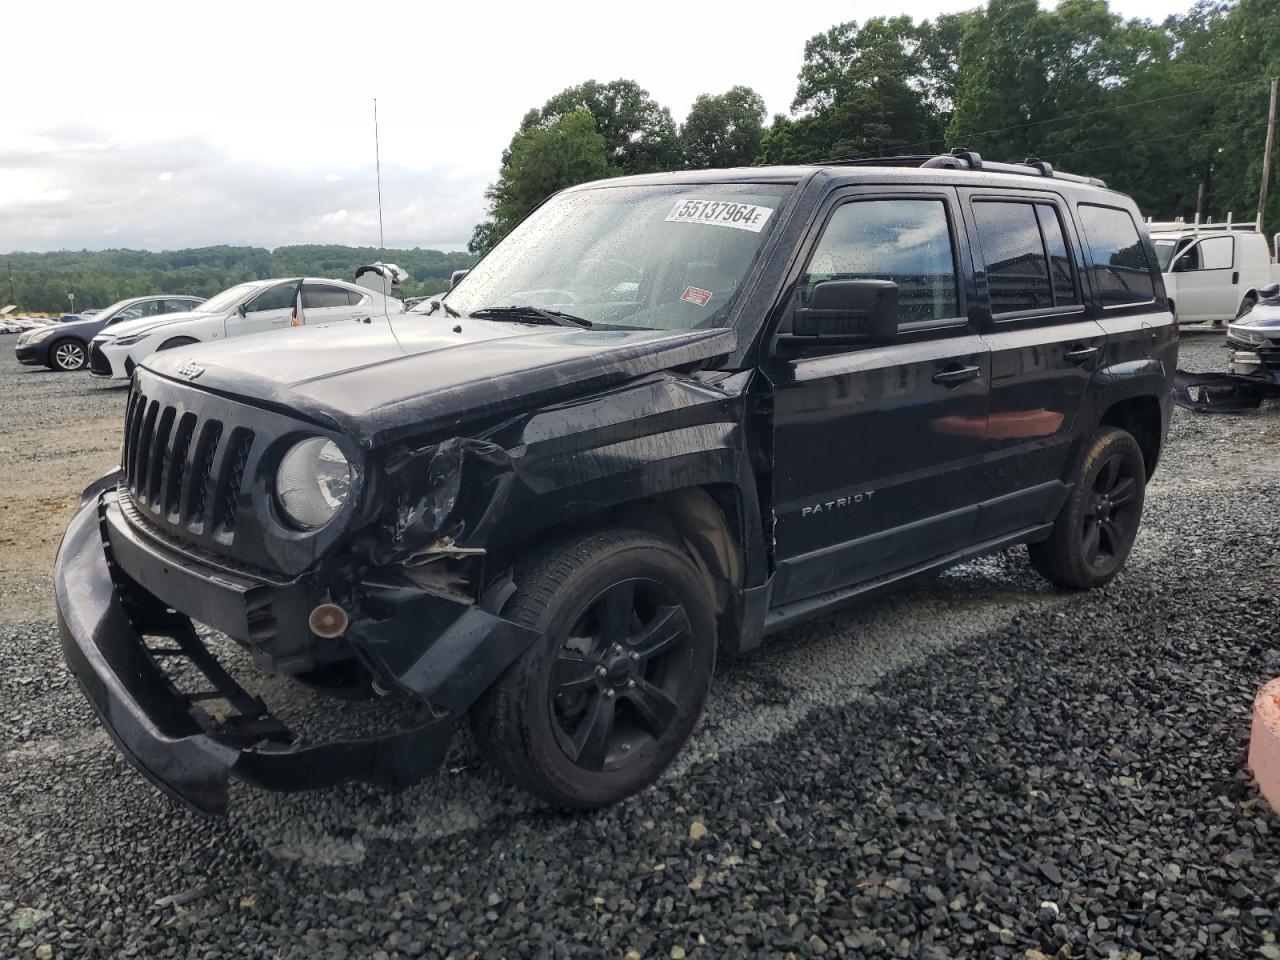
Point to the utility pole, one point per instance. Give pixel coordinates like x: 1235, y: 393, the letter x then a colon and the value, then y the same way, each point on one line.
x: 13, y: 297
x: 1266, y: 152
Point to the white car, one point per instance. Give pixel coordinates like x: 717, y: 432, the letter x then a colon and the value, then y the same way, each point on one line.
x: 247, y: 308
x: 1212, y: 271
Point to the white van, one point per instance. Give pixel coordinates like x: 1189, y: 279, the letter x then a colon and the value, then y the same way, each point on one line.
x: 1212, y: 271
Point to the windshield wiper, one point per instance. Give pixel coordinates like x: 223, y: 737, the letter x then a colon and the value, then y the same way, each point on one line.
x: 526, y: 312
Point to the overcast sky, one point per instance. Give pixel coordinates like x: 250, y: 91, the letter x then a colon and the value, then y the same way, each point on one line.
x: 163, y: 125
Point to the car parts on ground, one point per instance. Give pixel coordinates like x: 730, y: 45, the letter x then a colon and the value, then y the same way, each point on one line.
x: 1253, y: 367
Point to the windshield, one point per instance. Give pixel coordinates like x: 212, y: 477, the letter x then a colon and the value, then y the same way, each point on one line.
x: 655, y: 257
x: 1164, y: 253
x: 227, y: 298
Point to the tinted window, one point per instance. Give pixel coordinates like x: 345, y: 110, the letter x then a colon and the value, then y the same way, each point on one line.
x: 1188, y: 260
x: 906, y: 241
x: 277, y: 298
x: 315, y: 295
x: 147, y: 308
x: 1215, y: 253
x: 354, y: 298
x: 1061, y: 273
x: 1017, y: 269
x: 1121, y: 271
x: 178, y: 306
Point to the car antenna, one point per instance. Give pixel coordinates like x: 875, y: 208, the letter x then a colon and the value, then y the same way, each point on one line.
x: 377, y: 162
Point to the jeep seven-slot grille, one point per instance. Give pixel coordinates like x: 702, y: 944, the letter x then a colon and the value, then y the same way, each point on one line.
x: 182, y: 469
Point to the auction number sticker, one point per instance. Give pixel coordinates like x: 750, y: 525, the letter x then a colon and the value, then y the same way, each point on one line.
x: 720, y: 213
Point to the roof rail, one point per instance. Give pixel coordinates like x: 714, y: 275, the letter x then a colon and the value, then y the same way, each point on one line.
x: 961, y: 159
x: 1180, y: 225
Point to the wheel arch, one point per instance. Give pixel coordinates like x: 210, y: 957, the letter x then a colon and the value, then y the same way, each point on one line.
x: 1140, y: 416
x: 707, y: 522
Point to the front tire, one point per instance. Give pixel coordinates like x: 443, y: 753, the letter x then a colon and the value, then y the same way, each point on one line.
x: 599, y: 706
x: 68, y: 354
x: 1246, y: 305
x: 1097, y: 526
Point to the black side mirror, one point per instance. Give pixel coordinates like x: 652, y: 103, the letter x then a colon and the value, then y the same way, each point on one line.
x: 456, y: 277
x: 242, y: 310
x: 1269, y: 292
x: 845, y: 312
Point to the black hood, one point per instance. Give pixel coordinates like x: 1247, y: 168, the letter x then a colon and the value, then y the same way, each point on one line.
x: 414, y: 374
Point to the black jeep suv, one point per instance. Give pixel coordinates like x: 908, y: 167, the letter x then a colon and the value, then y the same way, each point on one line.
x: 665, y: 417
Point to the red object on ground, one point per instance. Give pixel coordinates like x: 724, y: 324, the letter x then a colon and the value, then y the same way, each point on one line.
x: 1264, y: 742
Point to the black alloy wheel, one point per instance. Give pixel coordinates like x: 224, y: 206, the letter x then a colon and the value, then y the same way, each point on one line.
x: 1097, y: 526
x: 602, y: 702
x: 620, y: 675
x: 1111, y: 513
x: 68, y: 355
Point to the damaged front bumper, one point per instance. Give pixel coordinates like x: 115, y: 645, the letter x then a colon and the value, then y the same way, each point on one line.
x: 120, y: 602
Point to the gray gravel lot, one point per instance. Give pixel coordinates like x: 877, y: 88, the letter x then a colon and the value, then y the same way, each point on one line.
x: 976, y: 766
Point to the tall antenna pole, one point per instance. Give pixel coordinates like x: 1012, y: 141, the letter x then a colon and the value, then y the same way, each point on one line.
x: 377, y: 155
x: 1266, y: 152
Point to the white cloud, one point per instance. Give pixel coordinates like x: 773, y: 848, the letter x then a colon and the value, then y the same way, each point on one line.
x: 258, y: 154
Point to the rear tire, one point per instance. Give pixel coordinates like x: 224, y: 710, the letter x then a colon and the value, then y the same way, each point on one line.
x: 68, y: 354
x: 1097, y: 526
x: 602, y: 702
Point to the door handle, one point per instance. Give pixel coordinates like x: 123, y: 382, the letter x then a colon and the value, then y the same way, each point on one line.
x: 954, y: 376
x: 1081, y: 354
x: 1235, y: 276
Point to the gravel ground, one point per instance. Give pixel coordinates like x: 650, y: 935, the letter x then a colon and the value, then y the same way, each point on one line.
x: 973, y: 767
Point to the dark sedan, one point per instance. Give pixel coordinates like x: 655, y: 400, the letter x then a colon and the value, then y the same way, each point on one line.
x: 65, y: 346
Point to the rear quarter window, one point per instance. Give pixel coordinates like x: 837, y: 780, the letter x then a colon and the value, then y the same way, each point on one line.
x: 1122, y: 272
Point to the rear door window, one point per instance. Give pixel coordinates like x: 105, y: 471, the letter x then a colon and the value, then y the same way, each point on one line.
x: 1028, y: 264
x: 905, y: 240
x: 178, y: 306
x: 1122, y: 273
x: 317, y: 295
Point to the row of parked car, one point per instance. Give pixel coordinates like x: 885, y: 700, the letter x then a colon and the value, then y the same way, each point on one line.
x: 112, y: 341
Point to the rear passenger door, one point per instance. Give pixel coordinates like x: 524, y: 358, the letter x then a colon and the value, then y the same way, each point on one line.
x: 1044, y: 344
x: 877, y: 451
x: 328, y: 303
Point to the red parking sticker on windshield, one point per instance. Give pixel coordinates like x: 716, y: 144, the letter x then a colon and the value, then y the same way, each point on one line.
x: 696, y: 295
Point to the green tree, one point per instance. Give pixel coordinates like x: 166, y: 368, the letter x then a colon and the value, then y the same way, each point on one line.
x: 639, y: 134
x: 865, y: 90
x: 724, y: 130
x: 541, y: 161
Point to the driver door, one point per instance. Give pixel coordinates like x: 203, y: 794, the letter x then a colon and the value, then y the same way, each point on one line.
x: 878, y: 450
x: 272, y: 309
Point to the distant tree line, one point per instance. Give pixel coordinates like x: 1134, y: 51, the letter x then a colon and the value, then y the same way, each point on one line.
x: 1173, y: 113
x: 41, y: 282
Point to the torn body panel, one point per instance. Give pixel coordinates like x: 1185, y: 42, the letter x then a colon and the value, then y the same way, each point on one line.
x: 1223, y: 392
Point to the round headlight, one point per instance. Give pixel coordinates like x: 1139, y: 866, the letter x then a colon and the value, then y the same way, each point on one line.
x: 313, y: 482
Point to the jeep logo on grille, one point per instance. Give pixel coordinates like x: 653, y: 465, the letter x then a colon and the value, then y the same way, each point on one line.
x: 190, y: 369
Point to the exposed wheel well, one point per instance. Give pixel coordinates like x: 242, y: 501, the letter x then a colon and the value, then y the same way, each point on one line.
x: 701, y: 520
x: 1139, y: 416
